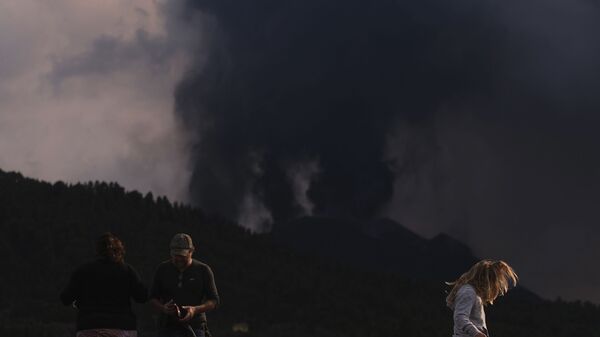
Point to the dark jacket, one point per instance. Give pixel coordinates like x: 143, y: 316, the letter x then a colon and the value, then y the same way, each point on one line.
x: 101, y: 291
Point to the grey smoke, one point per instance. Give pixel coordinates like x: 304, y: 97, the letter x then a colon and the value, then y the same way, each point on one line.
x: 475, y: 118
x: 301, y: 176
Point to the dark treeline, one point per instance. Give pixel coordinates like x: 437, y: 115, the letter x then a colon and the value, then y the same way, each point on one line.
x: 46, y: 230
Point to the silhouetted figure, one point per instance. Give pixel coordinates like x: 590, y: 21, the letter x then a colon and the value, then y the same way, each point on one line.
x: 101, y: 291
x: 183, y: 290
x: 476, y: 288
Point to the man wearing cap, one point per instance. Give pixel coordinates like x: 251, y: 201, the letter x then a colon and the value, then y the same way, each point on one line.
x: 183, y: 290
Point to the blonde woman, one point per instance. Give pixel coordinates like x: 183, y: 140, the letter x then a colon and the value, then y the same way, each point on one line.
x: 473, y: 290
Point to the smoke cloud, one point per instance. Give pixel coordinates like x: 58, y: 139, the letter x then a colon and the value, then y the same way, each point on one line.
x: 476, y: 118
x: 322, y: 80
x: 471, y: 117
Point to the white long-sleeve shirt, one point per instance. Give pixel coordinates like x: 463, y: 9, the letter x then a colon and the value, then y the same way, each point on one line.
x: 469, y: 316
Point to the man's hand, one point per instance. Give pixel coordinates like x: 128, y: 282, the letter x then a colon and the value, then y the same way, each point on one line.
x: 169, y: 308
x: 190, y: 312
x: 481, y: 334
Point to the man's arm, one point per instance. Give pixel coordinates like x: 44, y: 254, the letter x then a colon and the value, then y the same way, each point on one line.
x: 210, y: 294
x: 156, y: 295
x: 168, y: 308
x: 198, y: 309
x: 206, y: 306
x: 210, y: 291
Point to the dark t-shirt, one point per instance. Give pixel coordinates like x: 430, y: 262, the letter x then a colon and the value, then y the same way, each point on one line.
x: 194, y: 286
x: 102, y: 290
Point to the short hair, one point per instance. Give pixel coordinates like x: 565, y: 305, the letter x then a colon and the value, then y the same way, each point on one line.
x: 110, y: 247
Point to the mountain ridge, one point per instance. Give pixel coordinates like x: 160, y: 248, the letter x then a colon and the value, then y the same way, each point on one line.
x: 47, y: 229
x: 380, y: 244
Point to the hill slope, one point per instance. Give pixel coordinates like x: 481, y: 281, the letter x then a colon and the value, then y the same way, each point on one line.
x: 381, y: 245
x: 48, y: 229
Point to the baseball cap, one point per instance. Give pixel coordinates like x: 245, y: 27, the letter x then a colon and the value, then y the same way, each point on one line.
x: 181, y: 244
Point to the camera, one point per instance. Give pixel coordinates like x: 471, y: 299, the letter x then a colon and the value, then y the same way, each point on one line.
x: 181, y: 311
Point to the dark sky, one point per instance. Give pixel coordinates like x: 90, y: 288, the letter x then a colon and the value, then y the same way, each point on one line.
x: 477, y: 118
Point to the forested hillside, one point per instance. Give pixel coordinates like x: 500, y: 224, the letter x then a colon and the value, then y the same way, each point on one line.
x: 46, y: 230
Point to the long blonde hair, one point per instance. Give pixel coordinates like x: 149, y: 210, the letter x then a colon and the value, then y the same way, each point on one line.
x: 490, y: 279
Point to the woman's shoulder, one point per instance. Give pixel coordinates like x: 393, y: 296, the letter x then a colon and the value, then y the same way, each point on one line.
x: 466, y: 289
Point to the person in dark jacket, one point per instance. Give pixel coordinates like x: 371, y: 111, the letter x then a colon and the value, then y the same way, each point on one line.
x: 102, y: 290
x: 183, y: 291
